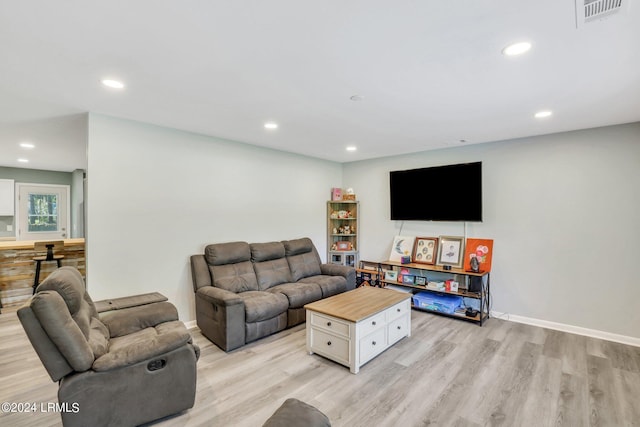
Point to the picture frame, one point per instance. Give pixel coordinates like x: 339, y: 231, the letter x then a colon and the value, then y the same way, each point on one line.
x: 391, y: 276
x: 408, y: 279
x: 344, y: 246
x: 420, y: 281
x: 401, y: 246
x: 450, y: 251
x: 425, y: 250
x: 482, y: 250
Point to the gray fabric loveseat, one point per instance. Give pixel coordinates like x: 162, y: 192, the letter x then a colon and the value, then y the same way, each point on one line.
x: 248, y: 291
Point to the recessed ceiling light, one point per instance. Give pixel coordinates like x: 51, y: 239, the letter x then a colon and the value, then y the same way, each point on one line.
x: 23, y: 160
x: 543, y: 114
x: 113, y: 84
x: 357, y: 98
x: 27, y: 145
x: 352, y: 148
x: 271, y: 125
x: 516, y: 49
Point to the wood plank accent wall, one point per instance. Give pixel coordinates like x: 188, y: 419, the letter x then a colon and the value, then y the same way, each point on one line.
x: 17, y: 268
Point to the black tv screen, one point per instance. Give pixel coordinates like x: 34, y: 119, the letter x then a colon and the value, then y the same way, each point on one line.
x: 440, y: 193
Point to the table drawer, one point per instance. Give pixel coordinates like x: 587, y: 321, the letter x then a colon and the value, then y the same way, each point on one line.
x: 372, y: 345
x: 398, y: 328
x: 330, y: 345
x: 371, y: 324
x: 398, y: 310
x: 329, y: 323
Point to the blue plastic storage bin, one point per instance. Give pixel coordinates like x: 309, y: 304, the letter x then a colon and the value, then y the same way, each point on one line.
x: 436, y: 302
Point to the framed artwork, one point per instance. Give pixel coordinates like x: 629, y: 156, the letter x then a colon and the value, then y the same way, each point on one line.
x: 408, y: 279
x: 391, y: 276
x: 421, y: 280
x: 481, y: 250
x: 344, y: 246
x: 425, y: 250
x: 451, y: 251
x: 402, y: 246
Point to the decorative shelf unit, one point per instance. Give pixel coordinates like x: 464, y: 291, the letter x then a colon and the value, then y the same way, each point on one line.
x: 342, y: 232
x: 481, y: 298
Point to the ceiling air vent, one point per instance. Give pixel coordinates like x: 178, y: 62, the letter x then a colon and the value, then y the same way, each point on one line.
x: 593, y: 10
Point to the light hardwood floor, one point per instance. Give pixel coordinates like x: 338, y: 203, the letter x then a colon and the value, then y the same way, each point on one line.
x: 448, y: 373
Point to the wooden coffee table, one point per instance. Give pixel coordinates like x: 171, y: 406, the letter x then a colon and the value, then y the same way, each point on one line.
x: 354, y: 327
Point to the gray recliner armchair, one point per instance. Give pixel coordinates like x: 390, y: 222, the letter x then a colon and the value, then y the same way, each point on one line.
x: 130, y: 364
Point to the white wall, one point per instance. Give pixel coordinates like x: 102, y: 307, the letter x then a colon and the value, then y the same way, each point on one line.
x: 563, y: 211
x: 157, y: 195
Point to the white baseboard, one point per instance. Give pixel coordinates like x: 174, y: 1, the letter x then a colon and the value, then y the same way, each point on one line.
x: 191, y: 324
x: 593, y: 333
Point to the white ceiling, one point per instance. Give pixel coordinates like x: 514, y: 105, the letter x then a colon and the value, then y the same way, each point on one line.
x: 431, y: 72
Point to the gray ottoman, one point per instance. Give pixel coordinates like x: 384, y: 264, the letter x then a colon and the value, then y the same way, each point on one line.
x: 294, y: 413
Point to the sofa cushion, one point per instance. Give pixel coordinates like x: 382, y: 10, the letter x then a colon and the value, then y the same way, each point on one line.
x: 259, y: 305
x: 330, y: 285
x: 142, y: 345
x: 299, y: 293
x: 236, y: 278
x: 298, y: 246
x: 303, y: 265
x: 272, y: 273
x: 227, y: 253
x: 302, y: 257
x: 52, y: 313
x: 266, y: 251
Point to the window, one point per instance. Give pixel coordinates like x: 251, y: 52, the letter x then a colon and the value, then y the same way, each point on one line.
x: 43, y: 212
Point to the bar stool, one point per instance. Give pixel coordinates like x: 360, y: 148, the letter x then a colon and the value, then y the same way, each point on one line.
x: 49, y: 247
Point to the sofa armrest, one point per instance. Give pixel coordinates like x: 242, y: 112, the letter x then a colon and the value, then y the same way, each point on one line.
x: 200, y: 272
x: 349, y: 273
x: 221, y: 317
x: 130, y: 301
x: 219, y: 296
x: 133, y: 319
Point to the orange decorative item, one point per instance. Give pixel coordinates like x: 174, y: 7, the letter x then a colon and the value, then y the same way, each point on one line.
x: 482, y: 251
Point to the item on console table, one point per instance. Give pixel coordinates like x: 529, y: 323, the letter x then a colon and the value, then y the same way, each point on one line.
x: 436, y: 286
x: 450, y: 284
x: 450, y: 252
x: 402, y: 246
x: 435, y: 302
x: 336, y: 194
x: 480, y: 250
x: 405, y: 259
x: 421, y: 281
x: 425, y: 250
x: 408, y: 279
x: 403, y: 272
x: 391, y: 275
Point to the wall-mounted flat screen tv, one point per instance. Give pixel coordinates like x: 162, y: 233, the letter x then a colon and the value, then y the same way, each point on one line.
x: 440, y: 193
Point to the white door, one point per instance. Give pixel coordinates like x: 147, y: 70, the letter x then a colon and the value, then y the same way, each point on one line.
x: 42, y: 212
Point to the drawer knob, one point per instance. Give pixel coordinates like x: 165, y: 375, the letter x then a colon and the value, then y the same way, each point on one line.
x: 328, y: 323
x: 373, y: 323
x: 399, y: 328
x: 398, y: 310
x: 374, y: 343
x: 328, y: 342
